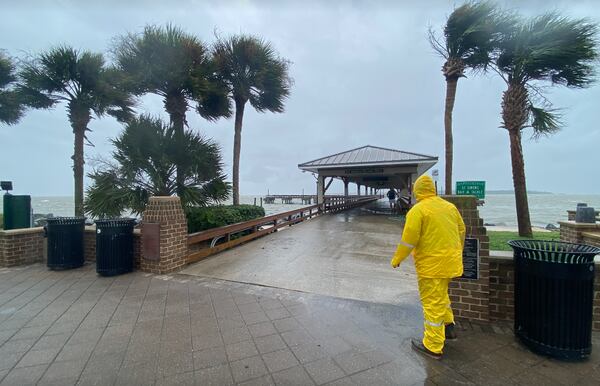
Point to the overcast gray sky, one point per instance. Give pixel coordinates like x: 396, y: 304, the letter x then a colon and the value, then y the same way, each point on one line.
x: 364, y: 74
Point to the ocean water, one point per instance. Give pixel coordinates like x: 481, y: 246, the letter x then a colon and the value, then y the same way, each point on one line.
x: 544, y: 209
x: 64, y: 206
x: 499, y: 209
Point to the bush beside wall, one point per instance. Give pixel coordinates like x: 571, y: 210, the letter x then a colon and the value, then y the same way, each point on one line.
x: 203, y: 218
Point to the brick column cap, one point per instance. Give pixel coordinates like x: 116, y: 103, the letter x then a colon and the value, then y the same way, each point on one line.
x: 23, y: 231
x: 164, y: 199
x: 574, y: 224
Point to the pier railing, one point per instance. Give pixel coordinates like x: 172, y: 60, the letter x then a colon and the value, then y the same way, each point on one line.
x: 206, y: 243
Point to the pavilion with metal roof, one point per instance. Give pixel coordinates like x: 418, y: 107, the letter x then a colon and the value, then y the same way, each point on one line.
x: 369, y: 166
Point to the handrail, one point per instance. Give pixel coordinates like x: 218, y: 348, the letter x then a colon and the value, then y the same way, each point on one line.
x: 241, y: 226
x: 268, y: 224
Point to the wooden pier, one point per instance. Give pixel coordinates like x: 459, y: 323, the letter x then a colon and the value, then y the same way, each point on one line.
x: 306, y: 198
x: 289, y: 198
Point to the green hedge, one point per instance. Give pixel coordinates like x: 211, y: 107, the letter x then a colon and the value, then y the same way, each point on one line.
x: 203, y: 218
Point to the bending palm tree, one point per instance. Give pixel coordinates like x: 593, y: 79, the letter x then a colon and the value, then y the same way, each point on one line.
x: 11, y: 109
x: 252, y: 71
x: 86, y: 85
x: 470, y: 37
x: 174, y: 65
x: 548, y: 48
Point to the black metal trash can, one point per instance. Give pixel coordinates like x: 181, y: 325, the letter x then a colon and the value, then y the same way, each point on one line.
x: 554, y: 291
x: 65, y: 242
x: 114, y: 246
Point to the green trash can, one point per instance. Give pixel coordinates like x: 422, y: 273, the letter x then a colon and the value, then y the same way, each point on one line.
x: 554, y: 294
x: 17, y: 211
x: 65, y: 242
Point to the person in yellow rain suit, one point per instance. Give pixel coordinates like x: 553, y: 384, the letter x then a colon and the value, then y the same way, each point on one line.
x: 435, y: 233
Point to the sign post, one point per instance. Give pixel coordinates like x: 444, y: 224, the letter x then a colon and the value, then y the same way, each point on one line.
x: 471, y: 188
x: 435, y: 174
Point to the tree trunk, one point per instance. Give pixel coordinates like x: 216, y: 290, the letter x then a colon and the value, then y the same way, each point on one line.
x: 514, y: 115
x: 176, y: 107
x: 518, y: 168
x: 451, y: 84
x: 237, y: 148
x: 79, y: 121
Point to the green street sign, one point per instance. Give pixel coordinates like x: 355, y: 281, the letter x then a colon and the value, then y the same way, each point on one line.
x: 471, y: 188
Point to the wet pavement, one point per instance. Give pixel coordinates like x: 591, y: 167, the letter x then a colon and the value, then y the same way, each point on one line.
x: 343, y: 255
x: 73, y: 327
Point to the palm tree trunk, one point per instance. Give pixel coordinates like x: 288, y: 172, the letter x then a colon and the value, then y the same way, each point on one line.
x: 176, y: 107
x: 79, y: 121
x: 514, y: 116
x: 518, y: 168
x: 237, y: 148
x: 451, y: 84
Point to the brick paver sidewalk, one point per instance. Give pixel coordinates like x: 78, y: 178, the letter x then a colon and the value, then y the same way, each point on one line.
x: 73, y: 327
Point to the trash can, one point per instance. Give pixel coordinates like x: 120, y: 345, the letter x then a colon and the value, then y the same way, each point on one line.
x: 114, y: 246
x: 65, y: 242
x: 17, y: 211
x: 554, y: 293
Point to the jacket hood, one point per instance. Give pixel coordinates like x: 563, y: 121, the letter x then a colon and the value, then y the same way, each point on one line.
x: 424, y: 188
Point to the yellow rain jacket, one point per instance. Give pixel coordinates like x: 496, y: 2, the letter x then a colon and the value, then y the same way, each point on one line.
x: 434, y: 232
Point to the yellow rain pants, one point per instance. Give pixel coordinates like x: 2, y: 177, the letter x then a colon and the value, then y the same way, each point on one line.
x: 436, y: 312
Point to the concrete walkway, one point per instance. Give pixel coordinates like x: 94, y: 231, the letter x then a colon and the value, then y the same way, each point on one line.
x: 73, y: 327
x: 343, y: 255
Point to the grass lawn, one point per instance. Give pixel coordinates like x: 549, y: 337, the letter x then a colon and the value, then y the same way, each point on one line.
x: 498, y: 239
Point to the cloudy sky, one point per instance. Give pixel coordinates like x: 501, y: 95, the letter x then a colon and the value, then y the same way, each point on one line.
x: 364, y: 74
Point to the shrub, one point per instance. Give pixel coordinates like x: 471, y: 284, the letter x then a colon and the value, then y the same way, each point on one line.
x: 203, y: 218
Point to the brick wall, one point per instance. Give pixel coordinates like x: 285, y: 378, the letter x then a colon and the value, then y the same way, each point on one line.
x: 502, y: 288
x: 470, y: 298
x: 21, y: 246
x: 168, y: 212
x: 89, y: 245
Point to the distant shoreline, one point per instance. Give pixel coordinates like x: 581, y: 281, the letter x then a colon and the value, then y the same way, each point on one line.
x: 513, y: 192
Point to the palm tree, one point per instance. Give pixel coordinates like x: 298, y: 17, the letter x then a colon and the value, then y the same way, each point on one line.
x: 11, y: 108
x: 470, y: 37
x: 252, y: 71
x: 87, y: 86
x: 144, y: 165
x: 548, y: 48
x: 168, y: 62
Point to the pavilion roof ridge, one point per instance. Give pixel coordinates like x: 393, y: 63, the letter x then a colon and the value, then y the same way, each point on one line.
x: 365, y: 154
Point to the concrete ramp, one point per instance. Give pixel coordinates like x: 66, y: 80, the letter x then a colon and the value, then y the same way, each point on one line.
x: 344, y: 255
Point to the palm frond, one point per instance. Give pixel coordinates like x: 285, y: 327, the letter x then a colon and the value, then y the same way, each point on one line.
x: 167, y: 61
x: 11, y: 106
x: 551, y: 48
x: 253, y: 71
x: 472, y: 32
x: 544, y: 121
x: 145, y: 159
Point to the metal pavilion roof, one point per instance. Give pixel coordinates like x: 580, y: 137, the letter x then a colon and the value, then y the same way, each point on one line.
x: 367, y: 156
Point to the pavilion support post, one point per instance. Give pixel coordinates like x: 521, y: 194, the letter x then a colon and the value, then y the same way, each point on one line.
x: 320, y: 189
x: 358, y: 189
x: 346, y: 182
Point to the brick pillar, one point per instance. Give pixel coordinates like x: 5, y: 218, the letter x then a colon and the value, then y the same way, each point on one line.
x: 470, y: 298
x: 167, y: 212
